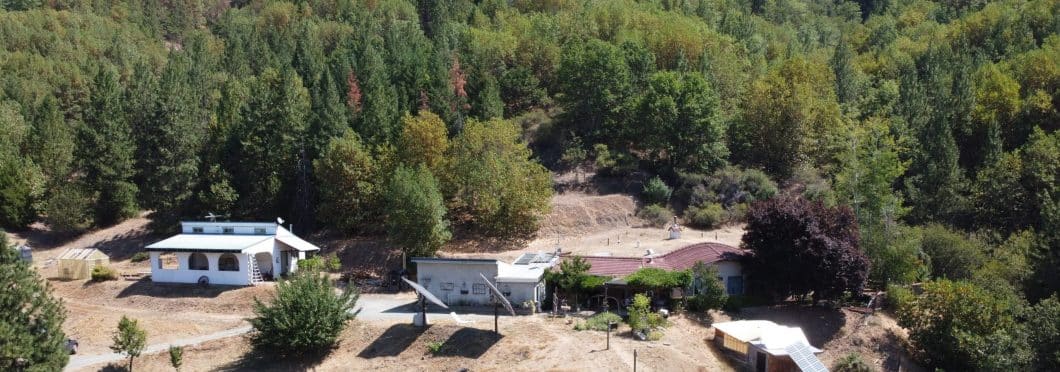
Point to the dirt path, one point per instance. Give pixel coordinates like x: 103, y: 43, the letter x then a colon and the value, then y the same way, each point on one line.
x: 81, y: 362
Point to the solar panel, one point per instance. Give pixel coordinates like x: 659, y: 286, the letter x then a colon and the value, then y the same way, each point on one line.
x: 804, y: 358
x: 425, y: 293
x: 498, y: 296
x: 542, y: 258
x: 524, y: 259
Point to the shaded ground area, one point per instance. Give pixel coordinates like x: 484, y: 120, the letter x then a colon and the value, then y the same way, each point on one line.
x: 119, y: 242
x: 164, y: 298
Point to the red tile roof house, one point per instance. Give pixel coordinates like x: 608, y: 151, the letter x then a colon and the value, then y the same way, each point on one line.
x: 724, y: 257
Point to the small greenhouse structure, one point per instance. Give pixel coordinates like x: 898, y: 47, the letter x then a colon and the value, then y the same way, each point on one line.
x: 77, y: 263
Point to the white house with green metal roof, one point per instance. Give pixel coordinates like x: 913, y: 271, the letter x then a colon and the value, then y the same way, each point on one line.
x: 229, y: 253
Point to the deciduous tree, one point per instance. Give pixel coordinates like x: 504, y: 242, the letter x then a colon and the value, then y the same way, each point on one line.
x: 802, y: 248
x: 424, y: 140
x: 415, y: 211
x: 962, y: 327
x: 354, y: 184
x: 492, y: 180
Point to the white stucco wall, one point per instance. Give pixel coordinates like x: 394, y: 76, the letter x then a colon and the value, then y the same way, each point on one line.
x: 729, y: 269
x: 238, y: 228
x: 183, y: 275
x: 433, y: 275
x: 521, y: 292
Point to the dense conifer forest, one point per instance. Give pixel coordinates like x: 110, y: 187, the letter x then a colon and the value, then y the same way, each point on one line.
x: 934, y: 122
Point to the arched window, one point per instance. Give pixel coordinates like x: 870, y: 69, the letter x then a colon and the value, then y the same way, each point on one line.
x: 228, y: 262
x: 198, y: 261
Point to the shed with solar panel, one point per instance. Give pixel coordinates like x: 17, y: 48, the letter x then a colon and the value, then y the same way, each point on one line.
x: 768, y: 347
x: 456, y: 281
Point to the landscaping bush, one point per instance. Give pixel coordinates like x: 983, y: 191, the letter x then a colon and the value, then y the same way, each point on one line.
x: 656, y: 215
x: 103, y: 273
x: 641, y: 318
x: 656, y: 191
x: 176, y: 356
x: 306, y: 315
x: 580, y: 326
x: 434, y: 347
x: 707, y: 292
x: 655, y: 335
x: 852, y: 363
x: 599, y: 321
x: 656, y: 278
x: 707, y: 216
x: 140, y: 257
x: 318, y: 264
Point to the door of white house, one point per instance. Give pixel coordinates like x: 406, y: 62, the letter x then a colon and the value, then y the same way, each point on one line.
x: 285, y: 262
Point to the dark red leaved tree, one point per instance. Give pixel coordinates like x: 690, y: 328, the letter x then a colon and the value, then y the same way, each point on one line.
x: 801, y: 248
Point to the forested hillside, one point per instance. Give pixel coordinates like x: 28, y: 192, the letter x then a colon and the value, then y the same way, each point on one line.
x: 934, y: 121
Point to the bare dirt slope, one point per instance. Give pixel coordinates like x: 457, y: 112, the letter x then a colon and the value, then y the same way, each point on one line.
x: 526, y: 344
x: 586, y: 224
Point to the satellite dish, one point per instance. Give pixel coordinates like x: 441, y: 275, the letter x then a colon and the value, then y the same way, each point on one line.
x: 279, y: 220
x: 424, y: 296
x: 213, y: 217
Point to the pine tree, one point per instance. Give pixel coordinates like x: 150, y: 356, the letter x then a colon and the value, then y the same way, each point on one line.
x: 129, y: 339
x: 172, y: 145
x: 329, y: 115
x: 488, y: 102
x: 846, y: 77
x: 51, y: 143
x: 306, y: 316
x: 31, y: 318
x: 21, y: 182
x: 105, y: 148
x: 935, y: 180
x: 269, y: 146
x: 377, y: 122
